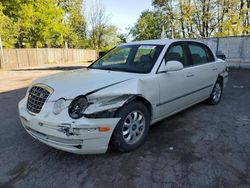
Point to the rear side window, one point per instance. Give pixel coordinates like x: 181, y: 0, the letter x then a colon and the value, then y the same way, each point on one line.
x: 200, y: 54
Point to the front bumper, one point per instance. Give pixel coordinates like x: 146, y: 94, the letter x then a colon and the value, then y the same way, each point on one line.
x: 81, y: 136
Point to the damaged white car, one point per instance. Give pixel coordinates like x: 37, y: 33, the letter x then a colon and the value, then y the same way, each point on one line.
x: 116, y: 99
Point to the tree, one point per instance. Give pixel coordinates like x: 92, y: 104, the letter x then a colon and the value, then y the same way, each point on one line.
x: 101, y: 34
x: 185, y: 16
x: 125, y: 35
x: 75, y: 21
x: 47, y: 23
x: 168, y: 16
x: 41, y: 24
x: 148, y: 26
x: 234, y: 17
x: 8, y: 30
x: 195, y: 18
x: 11, y: 8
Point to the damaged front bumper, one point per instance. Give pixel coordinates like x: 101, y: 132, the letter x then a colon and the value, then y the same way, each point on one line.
x: 81, y: 136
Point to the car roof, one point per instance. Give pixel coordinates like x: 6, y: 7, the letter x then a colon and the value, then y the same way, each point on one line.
x: 164, y: 41
x: 156, y: 42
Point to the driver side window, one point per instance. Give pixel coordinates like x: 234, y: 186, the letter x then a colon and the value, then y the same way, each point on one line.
x: 177, y: 53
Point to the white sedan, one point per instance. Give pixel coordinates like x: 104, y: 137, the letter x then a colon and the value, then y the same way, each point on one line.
x: 116, y: 99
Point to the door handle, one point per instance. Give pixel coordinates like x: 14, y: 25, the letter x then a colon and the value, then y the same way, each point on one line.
x: 189, y: 75
x: 215, y: 69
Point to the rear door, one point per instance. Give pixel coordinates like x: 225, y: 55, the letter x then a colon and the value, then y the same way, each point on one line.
x: 203, y: 70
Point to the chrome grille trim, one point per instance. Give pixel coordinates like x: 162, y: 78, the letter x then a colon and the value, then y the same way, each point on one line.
x: 37, y: 95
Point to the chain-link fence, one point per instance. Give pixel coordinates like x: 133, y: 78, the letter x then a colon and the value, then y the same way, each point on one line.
x: 236, y: 49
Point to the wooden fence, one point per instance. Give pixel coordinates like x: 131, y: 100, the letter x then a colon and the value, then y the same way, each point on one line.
x: 19, y: 58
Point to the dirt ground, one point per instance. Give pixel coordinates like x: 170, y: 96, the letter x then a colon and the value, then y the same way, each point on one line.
x: 204, y: 146
x: 19, y: 78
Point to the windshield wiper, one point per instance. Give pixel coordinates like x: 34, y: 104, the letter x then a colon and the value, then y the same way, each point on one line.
x: 118, y: 69
x: 108, y: 68
x: 101, y: 68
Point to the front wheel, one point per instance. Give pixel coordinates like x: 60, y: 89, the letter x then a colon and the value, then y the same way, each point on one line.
x: 132, y: 129
x: 216, y: 94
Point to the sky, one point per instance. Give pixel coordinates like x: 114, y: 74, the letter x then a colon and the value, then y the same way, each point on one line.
x: 124, y: 13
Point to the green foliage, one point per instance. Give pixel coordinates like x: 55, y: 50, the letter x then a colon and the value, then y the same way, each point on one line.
x: 194, y: 19
x: 148, y: 26
x: 47, y: 23
x: 110, y: 37
x: 11, y: 8
x: 104, y: 39
x: 54, y: 23
x: 41, y: 24
x: 102, y: 35
x: 8, y: 30
x: 76, y: 23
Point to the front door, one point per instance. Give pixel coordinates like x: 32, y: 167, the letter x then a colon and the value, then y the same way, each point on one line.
x: 175, y: 86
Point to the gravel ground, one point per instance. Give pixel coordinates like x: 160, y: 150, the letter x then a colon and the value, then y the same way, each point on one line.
x: 204, y: 146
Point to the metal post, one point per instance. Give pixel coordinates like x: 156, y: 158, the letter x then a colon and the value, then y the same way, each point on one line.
x: 242, y: 44
x: 217, y: 44
x: 1, y: 51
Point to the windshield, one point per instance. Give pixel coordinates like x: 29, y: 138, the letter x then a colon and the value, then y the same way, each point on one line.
x: 129, y: 58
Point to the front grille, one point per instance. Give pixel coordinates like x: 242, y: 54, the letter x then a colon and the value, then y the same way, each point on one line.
x: 36, y: 98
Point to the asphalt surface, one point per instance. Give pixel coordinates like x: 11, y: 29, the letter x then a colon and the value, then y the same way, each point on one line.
x: 204, y: 146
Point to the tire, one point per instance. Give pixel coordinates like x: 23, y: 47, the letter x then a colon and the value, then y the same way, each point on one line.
x: 133, y: 127
x: 216, y: 94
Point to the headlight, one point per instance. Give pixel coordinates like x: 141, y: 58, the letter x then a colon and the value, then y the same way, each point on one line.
x: 78, y: 106
x: 59, y: 105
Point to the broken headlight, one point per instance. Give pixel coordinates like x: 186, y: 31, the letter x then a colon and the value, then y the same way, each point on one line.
x: 77, y: 107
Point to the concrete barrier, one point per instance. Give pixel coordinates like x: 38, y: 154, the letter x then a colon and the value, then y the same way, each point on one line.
x: 236, y: 49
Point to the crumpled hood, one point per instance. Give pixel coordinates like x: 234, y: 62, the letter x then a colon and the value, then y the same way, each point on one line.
x: 70, y: 84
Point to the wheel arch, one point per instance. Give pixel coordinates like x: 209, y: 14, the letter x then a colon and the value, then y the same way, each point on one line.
x: 220, y: 77
x: 141, y: 99
x: 145, y: 102
x: 113, y: 143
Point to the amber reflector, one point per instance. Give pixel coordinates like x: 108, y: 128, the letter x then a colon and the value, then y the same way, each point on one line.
x: 104, y: 129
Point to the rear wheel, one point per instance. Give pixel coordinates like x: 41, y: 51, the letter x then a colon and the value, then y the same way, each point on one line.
x: 216, y: 94
x: 132, y: 129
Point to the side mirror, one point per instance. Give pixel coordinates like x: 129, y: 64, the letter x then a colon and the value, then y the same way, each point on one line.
x: 220, y: 55
x: 173, y: 66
